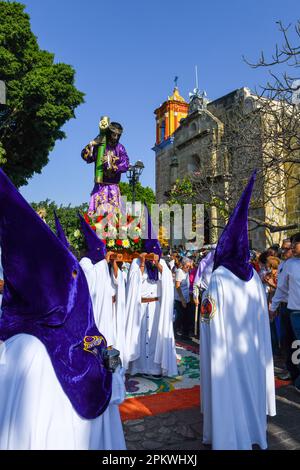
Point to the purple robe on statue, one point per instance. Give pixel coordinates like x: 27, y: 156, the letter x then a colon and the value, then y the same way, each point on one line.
x: 116, y: 161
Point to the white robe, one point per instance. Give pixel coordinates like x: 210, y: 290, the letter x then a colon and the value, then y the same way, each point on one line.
x: 101, y: 292
x: 150, y: 344
x: 36, y: 414
x: 237, y: 374
x: 119, y: 312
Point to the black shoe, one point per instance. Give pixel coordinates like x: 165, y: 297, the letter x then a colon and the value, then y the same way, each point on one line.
x: 297, y: 388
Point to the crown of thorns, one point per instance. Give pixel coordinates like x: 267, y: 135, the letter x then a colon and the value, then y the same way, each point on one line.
x: 115, y: 129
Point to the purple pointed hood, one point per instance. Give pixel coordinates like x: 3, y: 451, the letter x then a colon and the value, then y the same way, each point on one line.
x: 96, y: 250
x: 60, y: 231
x: 151, y: 245
x: 46, y: 295
x: 232, y: 250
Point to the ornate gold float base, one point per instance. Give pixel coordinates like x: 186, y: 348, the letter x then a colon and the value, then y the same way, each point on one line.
x: 127, y: 256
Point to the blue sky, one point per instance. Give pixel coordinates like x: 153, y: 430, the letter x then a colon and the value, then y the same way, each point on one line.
x: 126, y: 55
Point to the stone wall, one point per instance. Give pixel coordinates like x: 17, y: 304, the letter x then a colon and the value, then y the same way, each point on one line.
x: 201, y: 144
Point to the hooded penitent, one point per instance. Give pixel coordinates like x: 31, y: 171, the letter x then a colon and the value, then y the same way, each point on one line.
x: 60, y: 231
x: 151, y: 245
x: 232, y: 250
x: 96, y: 250
x: 46, y: 295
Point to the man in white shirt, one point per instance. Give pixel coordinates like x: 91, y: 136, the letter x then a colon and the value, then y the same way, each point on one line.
x: 279, y: 304
x: 184, y: 318
x: 290, y: 281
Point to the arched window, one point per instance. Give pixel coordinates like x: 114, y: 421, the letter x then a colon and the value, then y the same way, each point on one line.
x: 193, y: 163
x: 193, y: 127
x: 162, y: 130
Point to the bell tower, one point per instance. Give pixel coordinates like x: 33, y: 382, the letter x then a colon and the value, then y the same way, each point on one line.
x: 168, y: 117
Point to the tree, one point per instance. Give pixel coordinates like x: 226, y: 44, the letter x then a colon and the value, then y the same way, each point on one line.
x: 68, y: 218
x: 40, y: 94
x: 141, y: 193
x: 280, y: 100
x: 260, y: 130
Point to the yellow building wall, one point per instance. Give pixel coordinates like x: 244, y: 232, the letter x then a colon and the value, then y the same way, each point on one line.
x: 293, y: 197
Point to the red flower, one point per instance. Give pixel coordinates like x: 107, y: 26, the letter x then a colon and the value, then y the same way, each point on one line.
x: 93, y: 227
x: 130, y: 219
x: 99, y: 218
x: 135, y: 240
x: 86, y: 218
x: 119, y: 242
x: 104, y: 241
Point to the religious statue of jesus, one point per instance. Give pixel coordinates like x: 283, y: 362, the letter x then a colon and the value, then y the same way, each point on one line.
x: 111, y: 160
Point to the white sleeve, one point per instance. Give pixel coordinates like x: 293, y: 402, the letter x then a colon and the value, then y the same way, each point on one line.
x: 118, y: 386
x: 179, y: 276
x: 282, y: 287
x: 278, y: 297
x: 114, y: 279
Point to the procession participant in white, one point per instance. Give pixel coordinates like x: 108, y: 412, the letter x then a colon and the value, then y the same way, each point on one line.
x: 55, y: 389
x: 119, y: 305
x: 95, y: 267
x: 1, y: 283
x: 150, y: 344
x: 237, y: 374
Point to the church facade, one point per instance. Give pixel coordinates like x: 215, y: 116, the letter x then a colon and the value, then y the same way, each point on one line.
x: 217, y: 144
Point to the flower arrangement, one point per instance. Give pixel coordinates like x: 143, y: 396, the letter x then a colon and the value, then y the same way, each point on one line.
x: 118, y: 232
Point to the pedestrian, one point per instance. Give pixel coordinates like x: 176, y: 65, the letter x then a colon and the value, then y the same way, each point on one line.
x: 184, y: 322
x: 289, y: 281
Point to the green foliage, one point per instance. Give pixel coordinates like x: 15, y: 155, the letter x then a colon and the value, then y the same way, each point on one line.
x: 2, y: 155
x: 68, y: 219
x: 220, y: 204
x: 40, y: 94
x: 141, y: 193
x: 182, y: 192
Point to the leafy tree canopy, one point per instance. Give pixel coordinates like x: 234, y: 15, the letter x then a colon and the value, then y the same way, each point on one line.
x: 68, y: 218
x: 141, y: 193
x: 41, y: 96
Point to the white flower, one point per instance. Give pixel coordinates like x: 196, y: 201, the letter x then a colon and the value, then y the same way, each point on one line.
x: 77, y: 233
x: 112, y: 230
